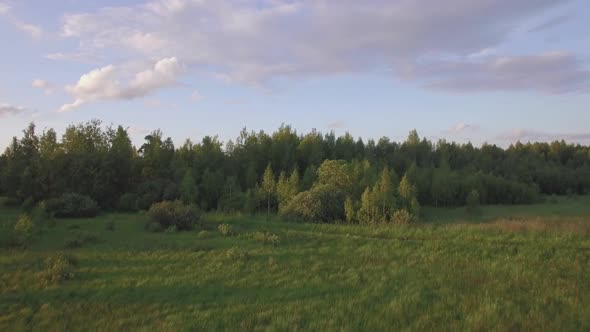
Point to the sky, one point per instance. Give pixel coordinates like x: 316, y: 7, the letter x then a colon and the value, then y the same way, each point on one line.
x: 495, y: 71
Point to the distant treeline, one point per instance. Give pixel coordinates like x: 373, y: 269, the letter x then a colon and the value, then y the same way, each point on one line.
x: 311, y: 176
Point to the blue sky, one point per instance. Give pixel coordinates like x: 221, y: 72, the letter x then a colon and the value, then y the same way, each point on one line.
x: 478, y: 70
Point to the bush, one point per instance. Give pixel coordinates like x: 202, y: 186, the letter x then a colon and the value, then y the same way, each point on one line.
x: 267, y: 238
x: 24, y: 226
x: 226, y: 230
x: 23, y: 229
x: 323, y: 203
x: 128, y: 202
x: 402, y: 217
x: 236, y: 253
x: 72, y: 206
x: 167, y: 214
x: 59, y: 268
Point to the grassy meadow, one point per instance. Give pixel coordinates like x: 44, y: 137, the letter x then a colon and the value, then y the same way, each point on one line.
x: 505, y: 268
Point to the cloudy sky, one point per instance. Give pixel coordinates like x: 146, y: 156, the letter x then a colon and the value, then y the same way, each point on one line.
x: 479, y: 70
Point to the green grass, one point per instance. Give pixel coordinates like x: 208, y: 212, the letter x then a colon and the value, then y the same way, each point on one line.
x: 527, y: 271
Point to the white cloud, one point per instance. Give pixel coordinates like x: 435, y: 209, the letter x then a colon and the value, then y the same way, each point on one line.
x: 6, y: 110
x: 257, y: 42
x: 552, y: 72
x: 105, y: 83
x: 196, y: 96
x: 463, y: 127
x: 47, y: 87
x: 525, y: 135
x: 4, y: 8
x: 32, y: 30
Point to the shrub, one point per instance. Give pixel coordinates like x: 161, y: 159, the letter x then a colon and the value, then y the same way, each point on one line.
x: 236, y: 253
x: 323, y: 203
x: 226, y: 230
x: 24, y: 226
x: 175, y: 213
x: 267, y: 238
x: 171, y: 230
x: 59, y: 268
x: 23, y: 229
x: 203, y: 234
x: 402, y: 217
x: 128, y: 202
x: 72, y: 206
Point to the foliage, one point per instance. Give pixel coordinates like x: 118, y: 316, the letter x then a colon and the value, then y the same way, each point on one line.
x: 322, y: 203
x: 267, y: 238
x: 167, y: 214
x: 226, y: 230
x: 59, y: 268
x: 72, y: 205
x: 99, y: 163
x: 402, y: 217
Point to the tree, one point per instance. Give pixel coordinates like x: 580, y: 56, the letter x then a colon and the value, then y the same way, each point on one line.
x: 472, y: 201
x: 268, y: 186
x: 407, y: 193
x: 188, y: 188
x: 385, y: 195
x: 366, y: 213
x: 350, y: 211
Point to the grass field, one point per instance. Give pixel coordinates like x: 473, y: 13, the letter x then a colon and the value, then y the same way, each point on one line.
x: 507, y: 268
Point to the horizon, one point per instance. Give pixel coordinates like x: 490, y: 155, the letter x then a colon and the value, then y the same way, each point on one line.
x: 488, y: 71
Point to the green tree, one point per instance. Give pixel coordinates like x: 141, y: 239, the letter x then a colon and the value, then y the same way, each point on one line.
x: 188, y: 188
x: 268, y: 186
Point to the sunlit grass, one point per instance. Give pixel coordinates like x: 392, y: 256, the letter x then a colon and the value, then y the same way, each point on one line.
x: 524, y: 270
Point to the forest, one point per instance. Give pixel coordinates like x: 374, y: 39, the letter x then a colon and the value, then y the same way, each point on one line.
x: 312, y: 177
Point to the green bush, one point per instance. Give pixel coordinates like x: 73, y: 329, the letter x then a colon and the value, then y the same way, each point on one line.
x: 402, y: 217
x: 267, y: 238
x: 226, y: 230
x: 167, y: 214
x: 323, y: 203
x: 59, y: 268
x: 23, y: 230
x: 72, y: 206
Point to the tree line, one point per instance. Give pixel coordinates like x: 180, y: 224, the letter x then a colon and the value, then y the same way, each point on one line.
x: 311, y: 176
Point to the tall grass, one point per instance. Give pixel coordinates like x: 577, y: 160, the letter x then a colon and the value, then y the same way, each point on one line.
x: 523, y: 270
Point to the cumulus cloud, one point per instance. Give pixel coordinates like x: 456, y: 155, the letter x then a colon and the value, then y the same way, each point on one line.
x: 106, y: 84
x: 525, y: 135
x: 256, y: 42
x: 7, y: 110
x: 552, y: 72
